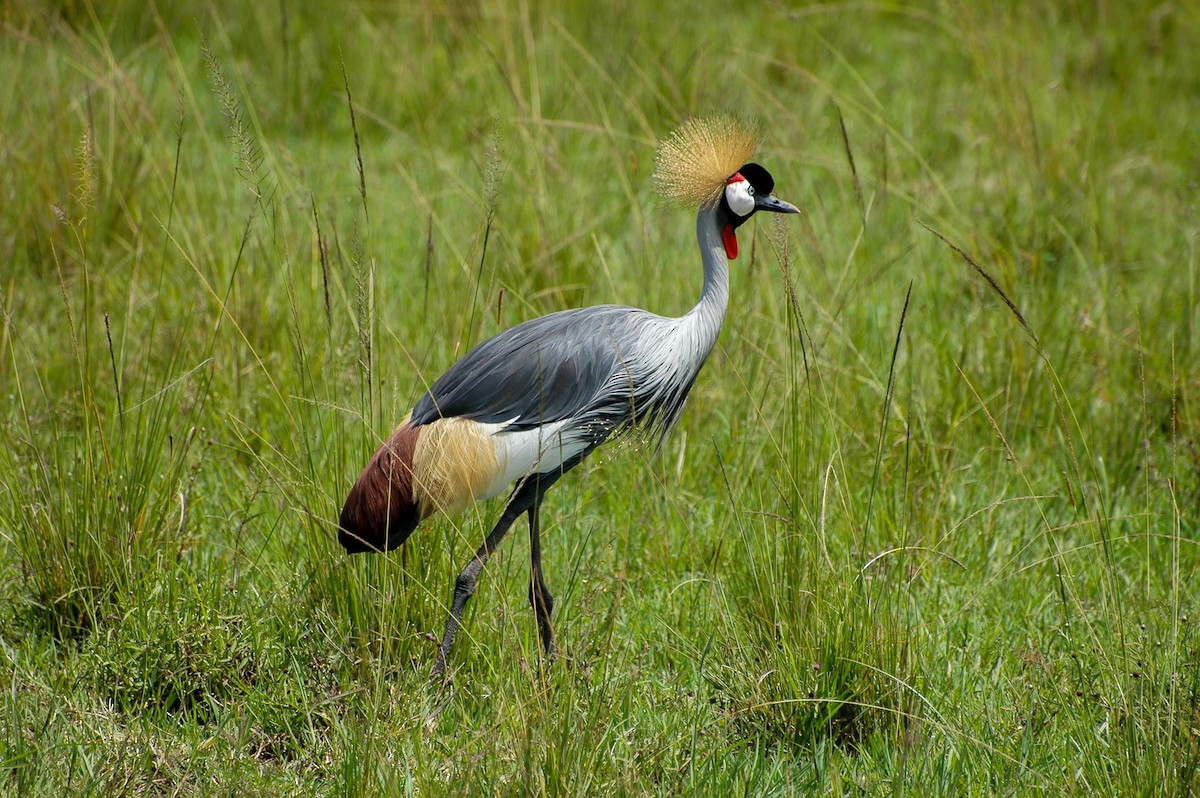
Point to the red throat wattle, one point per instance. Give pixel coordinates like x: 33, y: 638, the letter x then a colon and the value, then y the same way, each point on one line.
x: 729, y: 237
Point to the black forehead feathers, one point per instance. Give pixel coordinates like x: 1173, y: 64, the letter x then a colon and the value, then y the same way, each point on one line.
x: 758, y: 177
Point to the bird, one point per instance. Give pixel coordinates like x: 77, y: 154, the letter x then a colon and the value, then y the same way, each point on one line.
x: 529, y: 404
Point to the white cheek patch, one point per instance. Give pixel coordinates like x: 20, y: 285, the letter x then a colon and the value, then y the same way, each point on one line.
x: 739, y: 198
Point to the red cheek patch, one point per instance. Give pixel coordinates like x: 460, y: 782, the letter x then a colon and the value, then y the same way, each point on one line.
x: 729, y: 237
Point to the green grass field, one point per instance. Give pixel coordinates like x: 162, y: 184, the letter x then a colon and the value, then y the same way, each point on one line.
x: 928, y: 525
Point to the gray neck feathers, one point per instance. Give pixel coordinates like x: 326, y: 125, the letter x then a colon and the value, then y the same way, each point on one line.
x: 703, y: 322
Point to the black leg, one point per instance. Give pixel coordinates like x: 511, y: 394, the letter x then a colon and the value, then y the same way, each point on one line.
x: 464, y: 585
x: 539, y: 595
x: 525, y: 497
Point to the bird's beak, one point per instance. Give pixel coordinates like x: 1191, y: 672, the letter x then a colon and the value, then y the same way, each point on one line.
x: 769, y: 202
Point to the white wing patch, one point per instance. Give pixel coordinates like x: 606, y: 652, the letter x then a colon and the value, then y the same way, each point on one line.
x: 541, y: 450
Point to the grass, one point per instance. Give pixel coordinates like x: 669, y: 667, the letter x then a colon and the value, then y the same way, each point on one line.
x: 927, y: 526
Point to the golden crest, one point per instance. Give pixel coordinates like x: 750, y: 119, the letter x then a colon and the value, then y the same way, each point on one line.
x: 694, y: 162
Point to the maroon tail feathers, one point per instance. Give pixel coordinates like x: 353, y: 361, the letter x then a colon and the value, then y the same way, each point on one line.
x: 380, y: 512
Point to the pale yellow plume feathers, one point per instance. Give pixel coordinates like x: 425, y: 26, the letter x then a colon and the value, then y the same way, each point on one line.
x: 694, y: 162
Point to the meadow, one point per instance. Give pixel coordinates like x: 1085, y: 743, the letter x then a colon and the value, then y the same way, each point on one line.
x: 927, y: 525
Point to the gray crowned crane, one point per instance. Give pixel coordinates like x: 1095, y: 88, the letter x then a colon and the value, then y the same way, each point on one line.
x: 527, y: 406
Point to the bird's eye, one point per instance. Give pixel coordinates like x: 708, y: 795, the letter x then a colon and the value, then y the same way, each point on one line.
x: 750, y: 190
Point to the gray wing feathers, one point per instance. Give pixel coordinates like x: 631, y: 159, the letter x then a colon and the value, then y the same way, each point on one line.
x: 544, y: 370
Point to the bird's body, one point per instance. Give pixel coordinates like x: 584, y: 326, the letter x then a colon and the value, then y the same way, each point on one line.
x: 530, y: 403
x: 530, y: 399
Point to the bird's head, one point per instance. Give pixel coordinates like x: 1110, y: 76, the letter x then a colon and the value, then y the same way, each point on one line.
x: 705, y: 164
x: 747, y: 191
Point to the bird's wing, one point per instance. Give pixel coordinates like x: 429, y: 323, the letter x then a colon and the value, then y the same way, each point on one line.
x: 545, y: 370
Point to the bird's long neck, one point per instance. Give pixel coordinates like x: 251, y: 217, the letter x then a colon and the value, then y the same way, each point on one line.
x: 705, y: 319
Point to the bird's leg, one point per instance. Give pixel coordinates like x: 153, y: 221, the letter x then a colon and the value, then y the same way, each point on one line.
x: 527, y: 493
x: 539, y: 595
x: 464, y: 585
x: 525, y: 497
